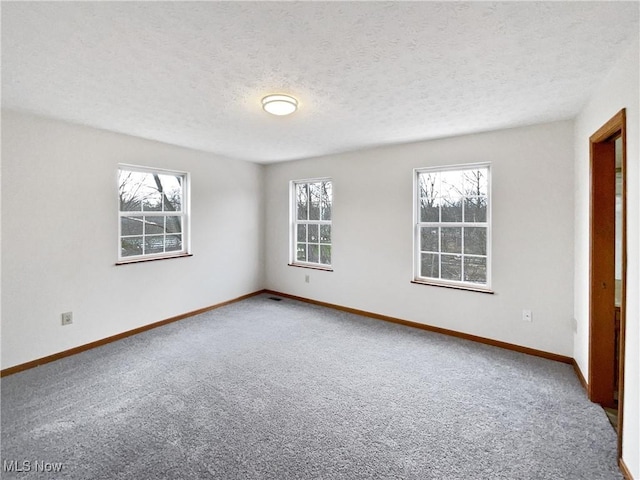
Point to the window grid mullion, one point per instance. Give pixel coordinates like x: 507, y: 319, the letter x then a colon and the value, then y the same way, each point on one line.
x: 164, y: 231
x: 308, y: 197
x: 439, y: 251
x: 151, y: 213
x: 462, y: 246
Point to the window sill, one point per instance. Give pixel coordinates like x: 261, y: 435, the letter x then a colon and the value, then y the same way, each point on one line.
x: 312, y: 267
x: 456, y: 287
x: 153, y: 259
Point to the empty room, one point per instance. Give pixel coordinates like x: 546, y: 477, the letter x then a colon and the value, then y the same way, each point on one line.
x: 318, y: 240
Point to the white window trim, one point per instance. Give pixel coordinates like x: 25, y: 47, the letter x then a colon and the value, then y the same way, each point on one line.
x: 186, y: 216
x: 293, y: 222
x: 462, y: 285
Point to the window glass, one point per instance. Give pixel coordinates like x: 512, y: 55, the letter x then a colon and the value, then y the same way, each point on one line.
x: 311, y: 222
x: 152, y: 213
x: 452, y: 225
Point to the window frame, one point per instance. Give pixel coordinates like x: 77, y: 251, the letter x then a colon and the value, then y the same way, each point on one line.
x: 294, y: 222
x: 185, y: 215
x: 418, y: 224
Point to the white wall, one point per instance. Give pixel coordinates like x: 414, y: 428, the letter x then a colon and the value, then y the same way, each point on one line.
x: 619, y: 90
x: 532, y: 175
x: 59, y: 245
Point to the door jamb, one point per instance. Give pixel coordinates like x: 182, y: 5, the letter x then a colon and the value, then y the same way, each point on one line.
x: 615, y: 127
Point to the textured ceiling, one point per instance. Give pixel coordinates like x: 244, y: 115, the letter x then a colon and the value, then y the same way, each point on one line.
x: 365, y: 73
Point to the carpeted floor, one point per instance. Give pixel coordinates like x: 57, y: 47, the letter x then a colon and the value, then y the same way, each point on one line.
x: 284, y: 390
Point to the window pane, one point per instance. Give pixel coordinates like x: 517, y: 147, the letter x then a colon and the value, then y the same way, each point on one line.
x: 172, y: 189
x: 451, y: 183
x: 428, y: 190
x: 451, y: 239
x: 153, y: 244
x: 151, y: 196
x: 131, y: 226
x: 315, y: 190
x: 131, y: 246
x: 475, y: 240
x: 302, y: 201
x: 430, y: 210
x: 326, y: 199
x: 429, y: 239
x: 313, y: 253
x: 451, y: 193
x: 475, y: 209
x: 301, y: 252
x: 302, y: 233
x: 429, y: 185
x: 173, y: 243
x: 475, y: 182
x: 174, y: 224
x: 429, y: 265
x: 451, y: 267
x: 130, y: 190
x: 451, y: 209
x: 153, y: 225
x: 325, y: 233
x: 313, y: 233
x: 325, y: 254
x: 475, y: 269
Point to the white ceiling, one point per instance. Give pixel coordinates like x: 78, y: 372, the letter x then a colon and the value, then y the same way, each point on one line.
x: 365, y: 73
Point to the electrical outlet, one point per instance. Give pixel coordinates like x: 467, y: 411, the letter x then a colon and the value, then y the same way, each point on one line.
x: 67, y: 318
x: 527, y: 316
x: 306, y: 278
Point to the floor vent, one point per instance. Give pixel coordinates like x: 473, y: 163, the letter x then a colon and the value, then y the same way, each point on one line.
x: 275, y: 299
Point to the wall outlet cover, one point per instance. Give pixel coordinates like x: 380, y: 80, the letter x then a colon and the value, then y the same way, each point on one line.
x: 67, y: 318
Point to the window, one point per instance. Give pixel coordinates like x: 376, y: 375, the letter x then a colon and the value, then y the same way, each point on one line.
x: 153, y: 213
x: 311, y: 223
x: 452, y: 226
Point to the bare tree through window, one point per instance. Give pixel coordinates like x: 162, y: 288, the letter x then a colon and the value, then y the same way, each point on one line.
x: 151, y: 212
x: 452, y: 224
x: 312, y: 222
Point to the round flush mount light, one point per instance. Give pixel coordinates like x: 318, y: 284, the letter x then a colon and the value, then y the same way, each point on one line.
x: 279, y: 104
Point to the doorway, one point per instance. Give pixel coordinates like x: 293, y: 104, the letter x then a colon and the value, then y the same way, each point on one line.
x: 607, y: 252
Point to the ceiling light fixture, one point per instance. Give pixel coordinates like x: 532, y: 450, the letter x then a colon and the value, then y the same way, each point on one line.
x: 279, y: 104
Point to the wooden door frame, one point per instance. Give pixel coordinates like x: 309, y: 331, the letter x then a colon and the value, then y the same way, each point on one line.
x: 600, y: 353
